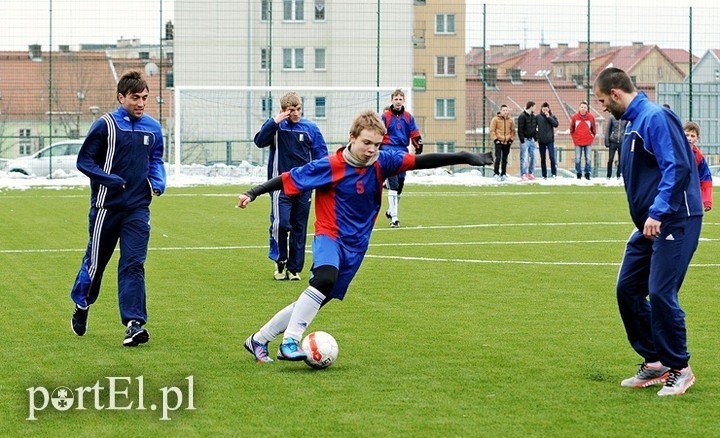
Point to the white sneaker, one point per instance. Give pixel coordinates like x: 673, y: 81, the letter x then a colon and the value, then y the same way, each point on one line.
x: 677, y: 382
x: 648, y: 374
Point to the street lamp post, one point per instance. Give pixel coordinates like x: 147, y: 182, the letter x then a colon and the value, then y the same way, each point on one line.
x: 81, y: 98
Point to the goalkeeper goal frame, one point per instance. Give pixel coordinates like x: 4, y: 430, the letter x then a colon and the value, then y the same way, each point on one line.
x: 228, y: 116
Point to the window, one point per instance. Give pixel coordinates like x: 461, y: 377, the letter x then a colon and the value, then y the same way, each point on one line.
x: 293, y: 59
x: 445, y: 66
x: 264, y: 59
x: 293, y: 10
x: 25, y: 146
x: 319, y: 10
x: 265, y: 12
x: 444, y: 108
x: 320, y: 108
x: 578, y: 80
x: 445, y: 146
x: 445, y: 23
x: 490, y: 77
x: 267, y: 106
x: 319, y: 59
x: 169, y: 81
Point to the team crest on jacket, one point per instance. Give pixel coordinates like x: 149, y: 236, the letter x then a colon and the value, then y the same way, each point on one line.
x: 146, y: 140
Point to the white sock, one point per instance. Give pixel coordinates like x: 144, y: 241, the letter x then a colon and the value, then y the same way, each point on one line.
x: 275, y: 326
x: 393, y: 204
x: 306, y: 307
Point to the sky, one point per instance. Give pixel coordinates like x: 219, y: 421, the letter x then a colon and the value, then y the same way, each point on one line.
x: 619, y: 22
x: 24, y: 22
x: 527, y: 22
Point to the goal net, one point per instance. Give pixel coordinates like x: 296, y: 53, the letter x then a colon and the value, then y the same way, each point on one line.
x: 216, y: 125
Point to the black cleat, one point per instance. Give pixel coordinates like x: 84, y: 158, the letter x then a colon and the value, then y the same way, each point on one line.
x: 135, y: 335
x: 78, y: 323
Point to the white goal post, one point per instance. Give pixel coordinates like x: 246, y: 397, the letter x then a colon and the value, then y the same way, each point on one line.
x: 217, y: 124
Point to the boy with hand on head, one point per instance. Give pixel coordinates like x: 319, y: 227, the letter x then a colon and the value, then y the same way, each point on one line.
x: 348, y: 198
x: 293, y: 141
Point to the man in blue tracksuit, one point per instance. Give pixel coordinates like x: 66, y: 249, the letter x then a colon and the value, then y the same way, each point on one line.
x: 293, y: 141
x: 122, y: 156
x: 663, y: 191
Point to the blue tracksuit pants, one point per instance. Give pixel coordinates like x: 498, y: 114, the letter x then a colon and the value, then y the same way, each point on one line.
x: 656, y: 269
x: 132, y: 229
x: 288, y: 228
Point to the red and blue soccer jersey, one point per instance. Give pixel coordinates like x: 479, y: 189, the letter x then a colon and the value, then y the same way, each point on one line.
x: 401, y: 128
x: 347, y: 198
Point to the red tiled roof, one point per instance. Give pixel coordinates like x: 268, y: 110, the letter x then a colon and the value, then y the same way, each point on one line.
x: 24, y: 84
x: 679, y: 56
x: 537, y: 62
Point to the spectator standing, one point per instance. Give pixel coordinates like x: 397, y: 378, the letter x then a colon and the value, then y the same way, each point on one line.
x: 583, y: 131
x: 663, y: 192
x: 614, y: 133
x: 692, y: 133
x: 293, y: 141
x: 401, y: 132
x: 527, y: 135
x: 502, y: 133
x: 546, y: 124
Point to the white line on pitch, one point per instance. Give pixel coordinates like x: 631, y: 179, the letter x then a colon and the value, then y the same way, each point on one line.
x: 517, y: 262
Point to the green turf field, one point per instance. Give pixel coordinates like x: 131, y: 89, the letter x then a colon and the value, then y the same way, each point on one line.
x: 491, y: 312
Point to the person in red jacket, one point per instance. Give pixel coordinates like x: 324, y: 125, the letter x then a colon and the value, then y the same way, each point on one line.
x: 692, y: 133
x: 583, y: 131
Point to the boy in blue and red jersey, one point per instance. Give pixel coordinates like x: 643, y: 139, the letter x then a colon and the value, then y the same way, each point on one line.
x: 122, y: 156
x: 663, y: 192
x: 401, y: 130
x: 692, y: 133
x: 348, y: 198
x: 293, y: 141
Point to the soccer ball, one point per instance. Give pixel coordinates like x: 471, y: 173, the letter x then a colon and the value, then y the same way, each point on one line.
x: 321, y: 349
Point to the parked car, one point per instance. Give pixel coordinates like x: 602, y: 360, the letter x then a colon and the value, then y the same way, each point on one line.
x: 61, y: 155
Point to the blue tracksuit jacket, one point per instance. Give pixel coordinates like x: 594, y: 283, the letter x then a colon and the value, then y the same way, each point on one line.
x: 659, y: 195
x: 122, y: 150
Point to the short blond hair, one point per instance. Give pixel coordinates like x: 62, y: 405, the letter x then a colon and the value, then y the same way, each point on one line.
x: 290, y: 99
x: 367, y: 120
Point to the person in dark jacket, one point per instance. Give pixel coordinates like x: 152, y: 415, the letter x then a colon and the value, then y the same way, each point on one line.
x: 527, y: 133
x: 613, y: 140
x: 293, y: 141
x: 663, y: 191
x: 546, y: 124
x: 122, y: 155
